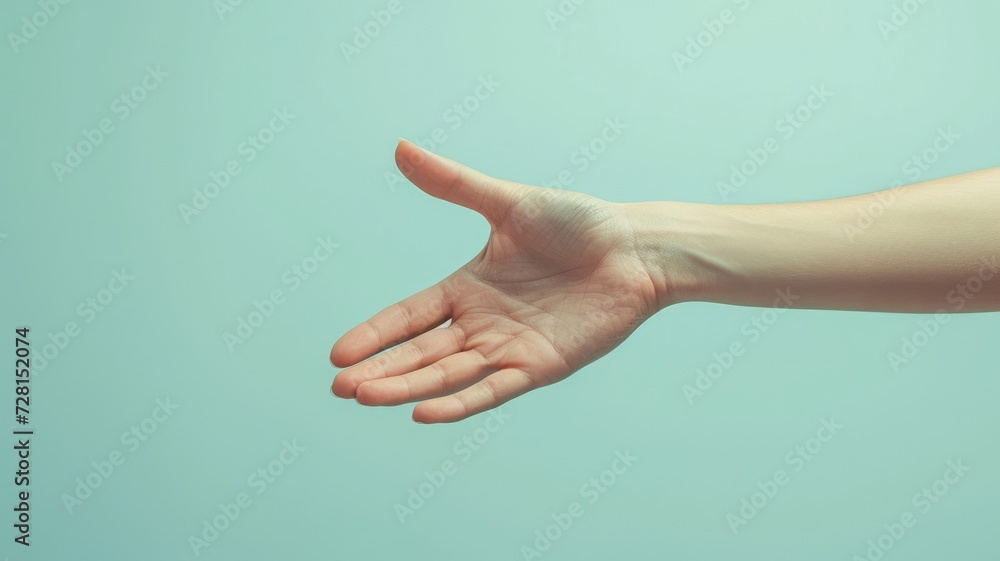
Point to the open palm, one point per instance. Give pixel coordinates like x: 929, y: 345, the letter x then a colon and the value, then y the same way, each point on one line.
x: 558, y: 285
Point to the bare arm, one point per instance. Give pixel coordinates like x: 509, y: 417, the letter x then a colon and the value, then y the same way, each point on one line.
x: 564, y: 277
x: 922, y: 248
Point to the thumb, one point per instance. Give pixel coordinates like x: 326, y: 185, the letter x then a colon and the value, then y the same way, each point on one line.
x: 451, y: 181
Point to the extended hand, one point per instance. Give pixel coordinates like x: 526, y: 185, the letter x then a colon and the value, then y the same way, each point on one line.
x: 559, y: 284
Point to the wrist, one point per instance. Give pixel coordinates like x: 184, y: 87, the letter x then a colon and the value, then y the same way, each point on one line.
x: 675, y: 242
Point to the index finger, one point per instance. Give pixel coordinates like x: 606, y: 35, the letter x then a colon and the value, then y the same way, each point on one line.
x: 400, y: 322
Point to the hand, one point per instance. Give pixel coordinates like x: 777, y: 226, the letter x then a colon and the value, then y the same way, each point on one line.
x: 559, y: 284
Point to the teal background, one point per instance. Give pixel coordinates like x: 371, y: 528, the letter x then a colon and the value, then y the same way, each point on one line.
x: 325, y: 175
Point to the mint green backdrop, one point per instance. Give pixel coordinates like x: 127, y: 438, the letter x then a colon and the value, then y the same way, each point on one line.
x: 174, y: 169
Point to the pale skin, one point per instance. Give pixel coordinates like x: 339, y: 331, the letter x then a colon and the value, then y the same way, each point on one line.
x: 565, y: 277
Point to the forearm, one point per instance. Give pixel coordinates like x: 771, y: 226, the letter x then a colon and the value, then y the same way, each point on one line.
x: 927, y: 247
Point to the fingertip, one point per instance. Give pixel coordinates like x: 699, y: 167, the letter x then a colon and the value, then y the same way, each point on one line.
x: 419, y: 417
x: 342, y: 387
x: 440, y: 410
x: 353, y: 347
x: 408, y: 156
x: 339, y: 355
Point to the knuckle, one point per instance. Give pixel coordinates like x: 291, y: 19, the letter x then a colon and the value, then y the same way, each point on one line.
x: 492, y: 389
x: 411, y: 353
x: 406, y: 315
x: 440, y: 376
x: 375, y: 369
